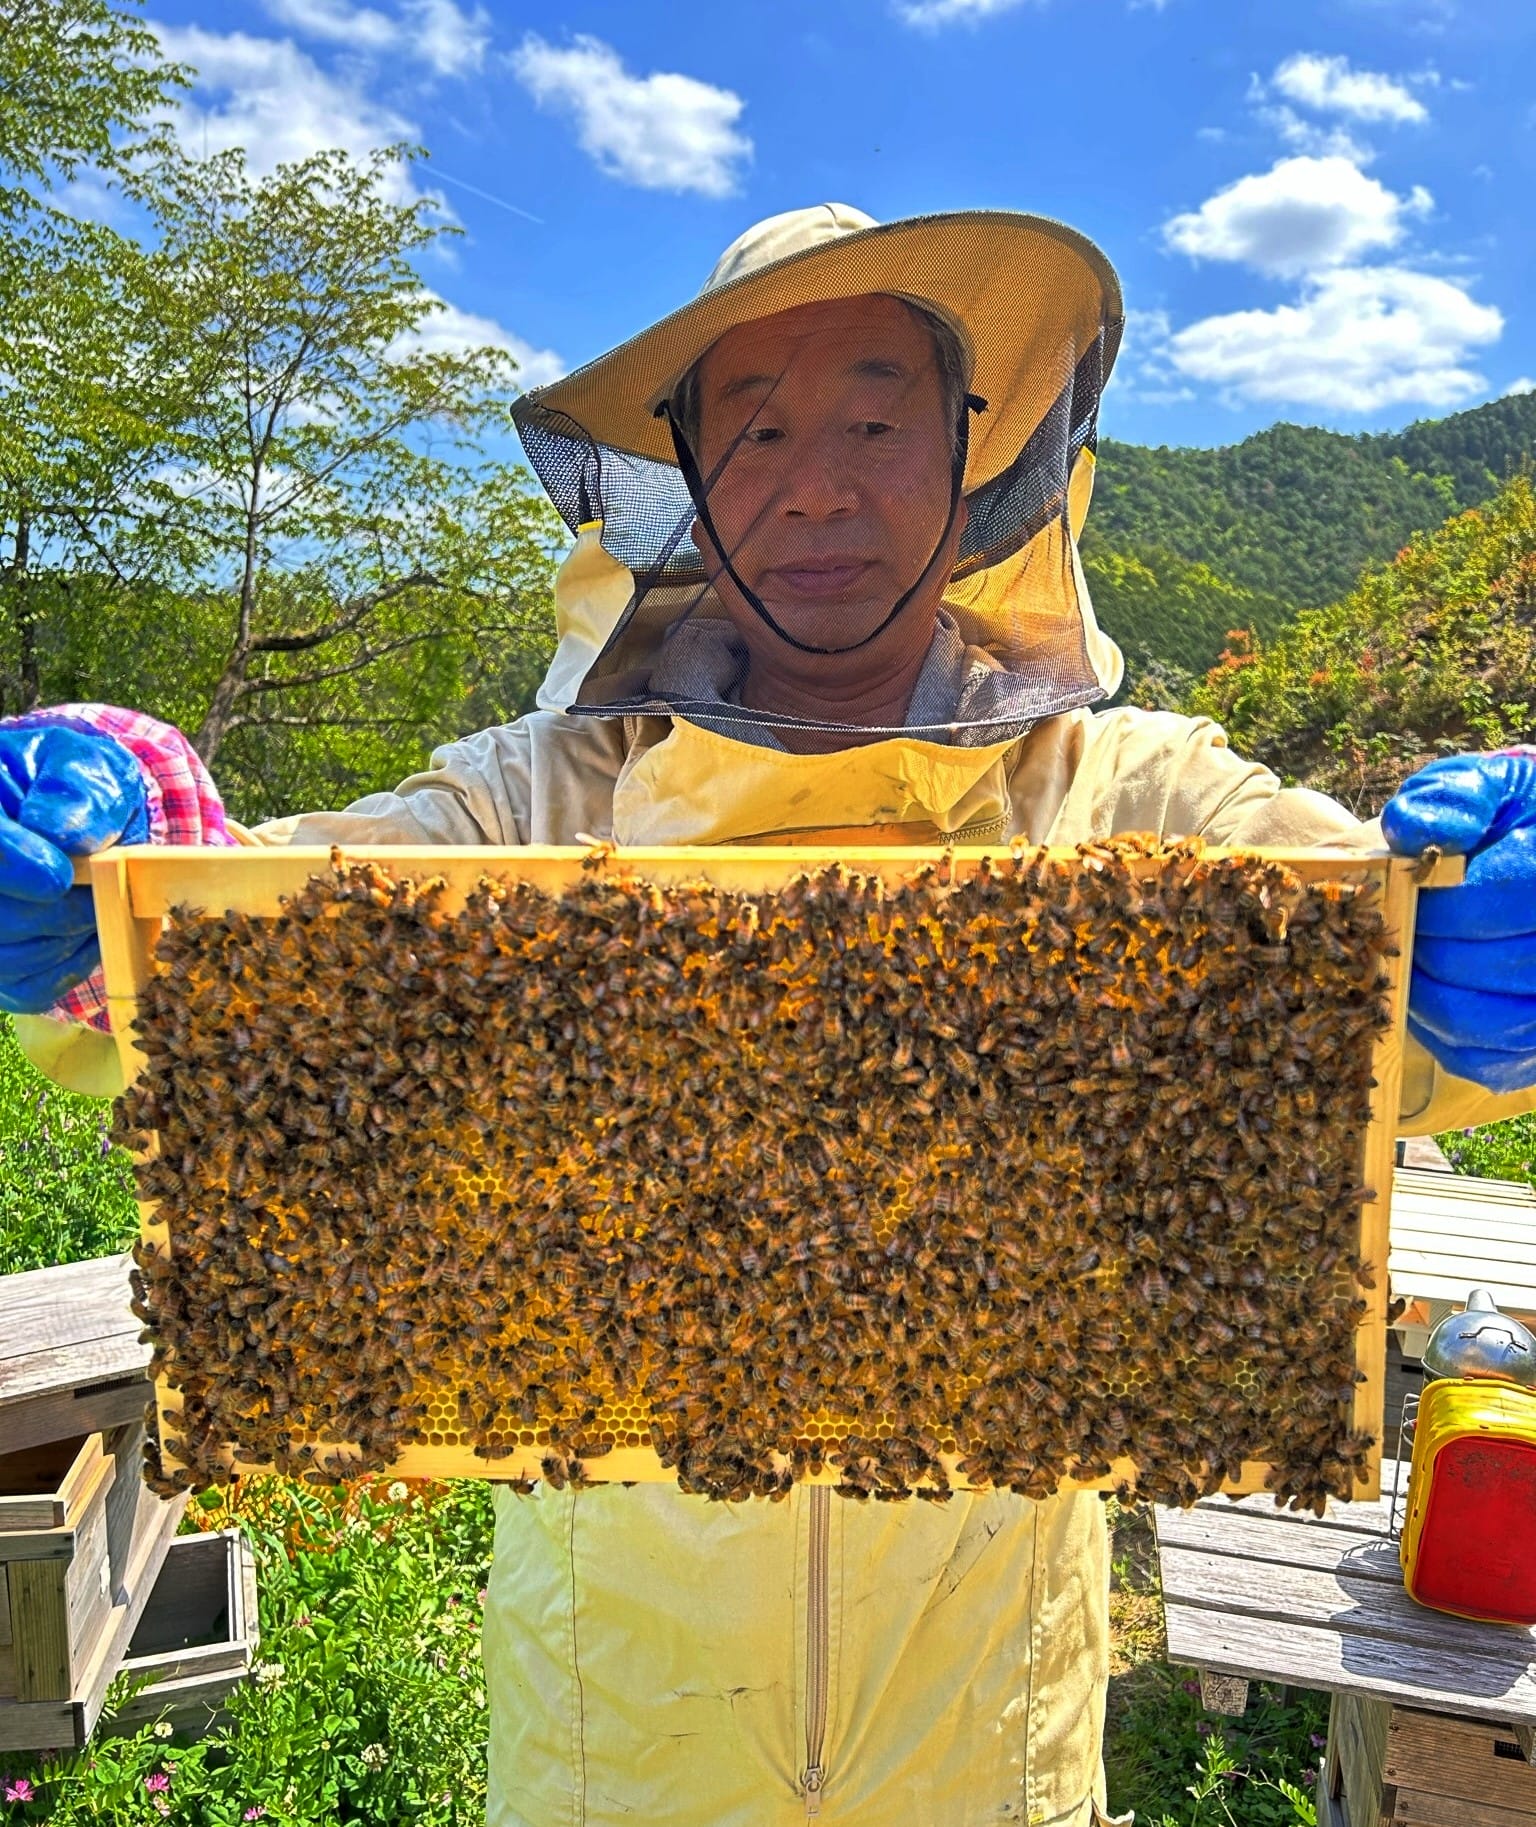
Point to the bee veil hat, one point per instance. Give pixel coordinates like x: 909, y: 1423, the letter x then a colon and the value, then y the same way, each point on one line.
x: 1032, y: 309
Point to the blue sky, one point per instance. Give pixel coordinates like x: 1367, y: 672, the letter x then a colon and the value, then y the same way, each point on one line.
x: 1320, y: 212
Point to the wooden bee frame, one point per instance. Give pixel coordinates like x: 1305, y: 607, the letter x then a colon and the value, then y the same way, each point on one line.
x: 137, y: 888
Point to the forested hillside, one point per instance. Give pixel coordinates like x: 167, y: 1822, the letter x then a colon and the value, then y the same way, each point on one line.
x: 1429, y: 655
x: 1184, y: 544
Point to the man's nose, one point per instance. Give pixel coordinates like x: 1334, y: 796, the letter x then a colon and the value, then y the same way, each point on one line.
x: 821, y: 484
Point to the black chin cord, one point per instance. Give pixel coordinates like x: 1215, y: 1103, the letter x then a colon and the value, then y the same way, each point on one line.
x: 693, y: 480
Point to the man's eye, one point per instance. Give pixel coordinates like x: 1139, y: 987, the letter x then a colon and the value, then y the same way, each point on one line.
x: 874, y: 428
x: 763, y: 434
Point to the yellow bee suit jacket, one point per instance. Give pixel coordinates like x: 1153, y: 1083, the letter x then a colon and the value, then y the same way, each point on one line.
x: 652, y: 1657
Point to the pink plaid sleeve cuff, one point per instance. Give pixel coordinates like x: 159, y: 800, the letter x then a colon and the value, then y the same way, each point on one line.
x: 184, y: 806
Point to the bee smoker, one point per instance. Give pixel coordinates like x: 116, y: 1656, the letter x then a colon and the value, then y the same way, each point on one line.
x: 1469, y: 1539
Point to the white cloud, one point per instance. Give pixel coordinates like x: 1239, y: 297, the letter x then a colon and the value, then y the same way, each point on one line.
x: 360, y: 28
x: 1358, y: 339
x: 266, y: 95
x: 1302, y: 214
x: 947, y: 12
x: 971, y: 12
x: 1142, y: 370
x: 451, y: 331
x: 1330, y: 86
x: 448, y: 39
x: 438, y: 33
x: 1524, y: 385
x: 1317, y: 141
x: 661, y: 132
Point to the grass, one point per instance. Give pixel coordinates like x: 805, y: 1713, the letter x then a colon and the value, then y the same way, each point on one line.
x: 65, y: 1192
x: 368, y: 1704
x: 1174, y: 1763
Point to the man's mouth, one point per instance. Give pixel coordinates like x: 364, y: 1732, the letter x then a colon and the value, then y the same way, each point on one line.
x: 813, y: 580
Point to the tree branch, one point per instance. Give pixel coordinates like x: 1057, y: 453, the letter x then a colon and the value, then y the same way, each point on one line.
x: 351, y: 615
x: 270, y: 682
x: 319, y: 723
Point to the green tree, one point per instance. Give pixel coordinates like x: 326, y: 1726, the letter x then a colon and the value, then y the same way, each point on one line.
x: 82, y: 86
x: 1173, y: 609
x: 281, y: 532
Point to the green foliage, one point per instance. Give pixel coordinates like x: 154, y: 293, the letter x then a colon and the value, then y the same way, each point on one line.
x: 80, y: 84
x: 1183, y: 545
x: 1296, y: 512
x: 1496, y: 1151
x: 367, y: 1704
x: 242, y: 483
x: 1176, y: 1766
x: 1430, y: 654
x: 65, y: 1192
x: 1173, y: 610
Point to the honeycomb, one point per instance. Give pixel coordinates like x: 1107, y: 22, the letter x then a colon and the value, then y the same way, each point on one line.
x: 998, y: 1180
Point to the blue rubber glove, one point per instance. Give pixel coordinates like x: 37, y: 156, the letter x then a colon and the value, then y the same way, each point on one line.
x: 1472, y: 997
x: 63, y: 793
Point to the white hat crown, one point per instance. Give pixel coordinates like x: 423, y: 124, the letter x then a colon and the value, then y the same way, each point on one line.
x: 776, y: 237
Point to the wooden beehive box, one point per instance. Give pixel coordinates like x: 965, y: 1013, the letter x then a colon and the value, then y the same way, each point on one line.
x: 1398, y: 1766
x: 137, y: 890
x: 194, y: 1643
x: 81, y: 1543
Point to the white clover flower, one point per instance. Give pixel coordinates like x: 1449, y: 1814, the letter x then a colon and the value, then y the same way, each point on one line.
x: 374, y: 1756
x: 398, y: 1492
x: 163, y: 1728
x: 268, y: 1674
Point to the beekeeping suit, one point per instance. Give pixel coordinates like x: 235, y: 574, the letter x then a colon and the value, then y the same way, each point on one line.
x: 651, y: 1656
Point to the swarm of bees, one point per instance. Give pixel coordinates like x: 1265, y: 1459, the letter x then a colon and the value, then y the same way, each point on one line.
x: 1004, y: 1177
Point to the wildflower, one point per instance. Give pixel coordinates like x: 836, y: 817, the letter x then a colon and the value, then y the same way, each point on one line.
x: 253, y: 1814
x: 163, y: 1728
x: 374, y: 1757
x: 268, y: 1674
x: 1190, y: 1687
x: 159, y: 1804
x: 1204, y: 1727
x: 481, y: 1595
x: 1316, y: 1740
x: 398, y: 1491
x: 158, y: 1783
x: 20, y: 1790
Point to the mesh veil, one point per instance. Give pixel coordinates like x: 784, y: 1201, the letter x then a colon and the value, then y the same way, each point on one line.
x: 1022, y: 642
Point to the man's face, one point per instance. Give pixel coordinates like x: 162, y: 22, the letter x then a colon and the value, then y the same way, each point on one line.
x: 829, y: 429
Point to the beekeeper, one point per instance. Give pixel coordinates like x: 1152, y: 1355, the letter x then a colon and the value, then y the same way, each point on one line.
x: 825, y: 590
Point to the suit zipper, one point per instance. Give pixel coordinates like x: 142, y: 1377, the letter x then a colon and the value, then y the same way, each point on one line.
x: 817, y: 1627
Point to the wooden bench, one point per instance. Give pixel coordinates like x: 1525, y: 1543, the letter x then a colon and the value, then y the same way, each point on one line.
x: 70, y: 1358
x: 1433, y: 1716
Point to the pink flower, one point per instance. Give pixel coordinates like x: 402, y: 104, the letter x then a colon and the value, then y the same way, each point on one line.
x: 160, y: 1804
x: 20, y: 1791
x: 253, y: 1814
x: 158, y: 1783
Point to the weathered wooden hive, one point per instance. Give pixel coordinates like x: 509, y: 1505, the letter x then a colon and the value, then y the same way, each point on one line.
x: 902, y: 1171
